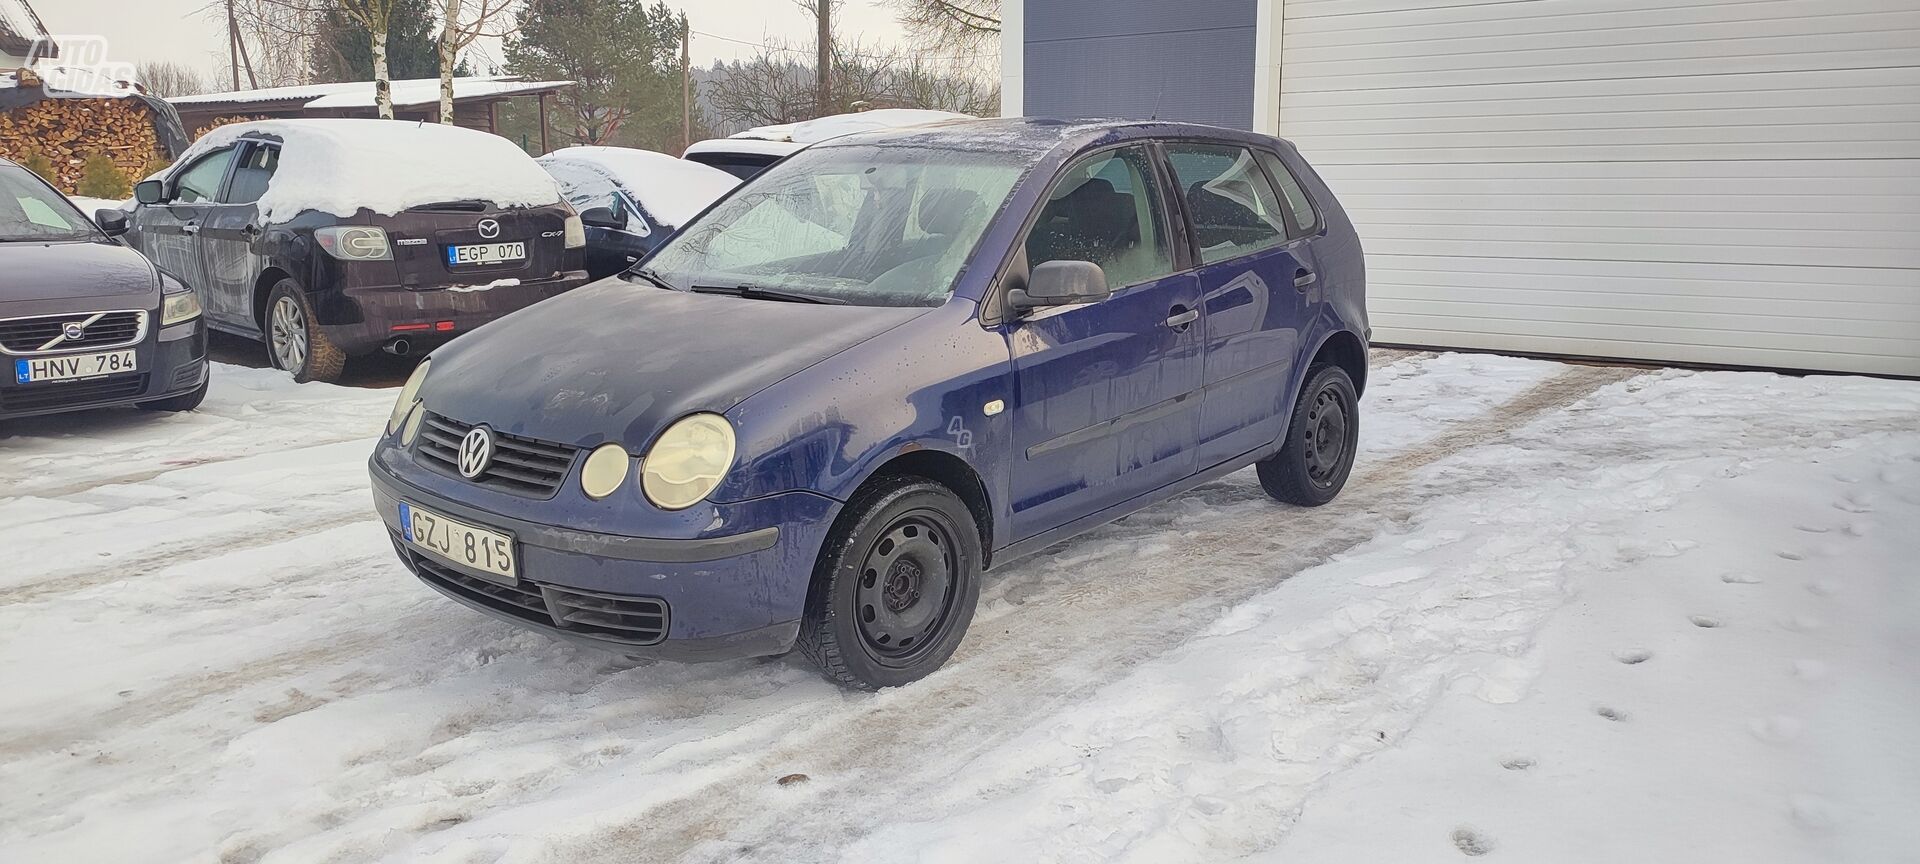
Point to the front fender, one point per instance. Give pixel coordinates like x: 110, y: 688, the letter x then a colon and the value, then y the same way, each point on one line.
x: 922, y: 386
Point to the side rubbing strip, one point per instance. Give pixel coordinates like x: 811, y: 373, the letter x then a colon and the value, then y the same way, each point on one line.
x: 1110, y: 427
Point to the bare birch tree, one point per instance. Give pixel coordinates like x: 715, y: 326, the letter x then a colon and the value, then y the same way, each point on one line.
x: 462, y: 22
x: 375, y: 16
x: 960, y: 26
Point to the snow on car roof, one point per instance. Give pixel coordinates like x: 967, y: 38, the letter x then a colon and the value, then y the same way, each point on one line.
x: 340, y: 165
x: 780, y: 139
x: 673, y: 190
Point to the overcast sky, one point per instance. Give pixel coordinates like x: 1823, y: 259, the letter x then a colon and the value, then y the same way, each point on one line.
x: 189, y: 32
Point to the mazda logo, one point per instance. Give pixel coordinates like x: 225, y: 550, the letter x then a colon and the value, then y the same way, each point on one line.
x: 74, y: 330
x: 489, y: 228
x: 476, y: 452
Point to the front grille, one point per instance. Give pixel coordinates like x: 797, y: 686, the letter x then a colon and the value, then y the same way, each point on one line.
x: 522, y: 466
x: 613, y: 617
x: 75, y: 394
x: 45, y: 333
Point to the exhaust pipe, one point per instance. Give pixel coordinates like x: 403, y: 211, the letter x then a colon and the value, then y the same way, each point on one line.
x: 397, y: 347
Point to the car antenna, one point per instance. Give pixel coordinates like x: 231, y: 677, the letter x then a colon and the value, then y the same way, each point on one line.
x: 1156, y: 101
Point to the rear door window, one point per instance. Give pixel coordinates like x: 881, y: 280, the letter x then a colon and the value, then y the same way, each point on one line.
x: 1290, y: 189
x: 1106, y: 209
x: 200, y: 183
x: 1233, y: 208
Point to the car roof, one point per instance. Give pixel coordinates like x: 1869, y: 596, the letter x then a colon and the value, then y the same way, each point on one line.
x: 1038, y: 133
x: 755, y: 146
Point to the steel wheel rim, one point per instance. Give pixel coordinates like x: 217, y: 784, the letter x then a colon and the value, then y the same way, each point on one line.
x: 288, y: 333
x: 904, y: 590
x: 1326, y: 435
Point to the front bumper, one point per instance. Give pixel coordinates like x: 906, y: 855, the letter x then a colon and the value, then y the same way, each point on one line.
x: 360, y: 319
x: 702, y: 598
x: 170, y: 363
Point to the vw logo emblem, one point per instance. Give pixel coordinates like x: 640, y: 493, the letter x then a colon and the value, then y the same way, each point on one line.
x: 476, y: 452
x: 74, y: 330
x: 489, y: 228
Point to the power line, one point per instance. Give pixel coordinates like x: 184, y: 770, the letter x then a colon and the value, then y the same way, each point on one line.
x: 808, y: 53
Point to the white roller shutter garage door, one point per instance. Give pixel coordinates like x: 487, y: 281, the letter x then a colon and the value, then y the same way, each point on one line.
x: 1707, y: 182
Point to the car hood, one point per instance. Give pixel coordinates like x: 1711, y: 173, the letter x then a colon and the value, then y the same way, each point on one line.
x: 73, y: 270
x: 618, y: 361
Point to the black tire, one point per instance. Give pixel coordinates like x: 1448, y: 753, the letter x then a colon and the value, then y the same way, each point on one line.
x: 1317, y: 455
x: 895, y: 586
x: 294, y: 339
x: 184, y: 402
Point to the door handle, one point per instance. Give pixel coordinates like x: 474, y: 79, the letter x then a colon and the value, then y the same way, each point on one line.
x: 190, y: 228
x: 1180, y: 320
x: 1304, y: 277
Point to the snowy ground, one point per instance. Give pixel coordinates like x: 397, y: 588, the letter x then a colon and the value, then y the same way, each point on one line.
x: 1561, y: 614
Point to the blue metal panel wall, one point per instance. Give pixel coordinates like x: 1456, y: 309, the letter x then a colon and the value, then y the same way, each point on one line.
x: 1173, y: 59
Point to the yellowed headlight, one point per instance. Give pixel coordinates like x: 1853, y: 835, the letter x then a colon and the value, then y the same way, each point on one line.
x: 688, y: 462
x: 605, y: 470
x: 409, y: 394
x: 412, y: 428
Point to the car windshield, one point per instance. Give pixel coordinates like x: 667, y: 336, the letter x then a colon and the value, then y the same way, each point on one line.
x: 30, y: 212
x: 866, y: 225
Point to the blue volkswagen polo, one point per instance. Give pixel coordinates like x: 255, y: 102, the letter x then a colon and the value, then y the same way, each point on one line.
x: 818, y: 414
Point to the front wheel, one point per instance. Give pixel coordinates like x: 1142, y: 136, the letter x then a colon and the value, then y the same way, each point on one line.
x: 295, y: 341
x: 895, y: 586
x: 1317, y: 455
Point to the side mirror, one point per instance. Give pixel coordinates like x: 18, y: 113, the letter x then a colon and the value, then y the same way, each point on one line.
x: 149, y: 192
x: 111, y: 220
x: 603, y: 217
x: 1061, y: 283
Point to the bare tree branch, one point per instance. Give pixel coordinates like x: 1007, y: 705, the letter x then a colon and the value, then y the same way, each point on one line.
x: 956, y: 26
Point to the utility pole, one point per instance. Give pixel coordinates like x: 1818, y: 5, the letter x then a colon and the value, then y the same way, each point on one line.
x: 823, y: 64
x: 686, y: 90
x: 237, y: 52
x: 233, y: 46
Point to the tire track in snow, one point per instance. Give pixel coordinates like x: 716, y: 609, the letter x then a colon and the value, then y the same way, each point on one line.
x: 185, y: 552
x: 175, y: 695
x: 145, y: 475
x: 1079, y: 637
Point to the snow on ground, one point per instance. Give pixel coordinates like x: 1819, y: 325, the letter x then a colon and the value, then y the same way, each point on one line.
x: 1562, y: 613
x: 89, y: 205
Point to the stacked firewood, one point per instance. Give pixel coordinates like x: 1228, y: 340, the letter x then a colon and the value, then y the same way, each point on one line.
x: 218, y: 122
x: 67, y: 130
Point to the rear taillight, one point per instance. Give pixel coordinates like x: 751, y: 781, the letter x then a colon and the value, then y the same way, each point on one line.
x: 354, y: 242
x: 576, y: 232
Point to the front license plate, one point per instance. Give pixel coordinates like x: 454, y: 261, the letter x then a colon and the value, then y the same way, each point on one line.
x: 486, y: 253
x: 73, y: 367
x: 487, y: 552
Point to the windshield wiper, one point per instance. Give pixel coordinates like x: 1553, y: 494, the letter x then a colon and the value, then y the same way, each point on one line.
x: 756, y: 292
x: 650, y: 275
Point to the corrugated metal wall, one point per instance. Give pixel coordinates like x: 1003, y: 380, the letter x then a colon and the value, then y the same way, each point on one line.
x: 1189, y: 61
x: 1729, y: 183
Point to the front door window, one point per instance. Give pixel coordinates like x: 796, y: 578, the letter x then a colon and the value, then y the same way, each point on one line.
x: 1107, y: 210
x: 201, y: 183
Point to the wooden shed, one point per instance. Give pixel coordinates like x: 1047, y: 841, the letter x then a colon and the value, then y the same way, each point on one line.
x: 476, y: 102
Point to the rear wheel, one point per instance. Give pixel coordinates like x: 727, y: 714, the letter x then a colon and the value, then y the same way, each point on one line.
x: 294, y: 339
x: 895, y: 587
x: 1313, y: 462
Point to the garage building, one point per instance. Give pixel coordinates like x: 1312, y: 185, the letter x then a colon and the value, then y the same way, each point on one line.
x: 1730, y: 183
